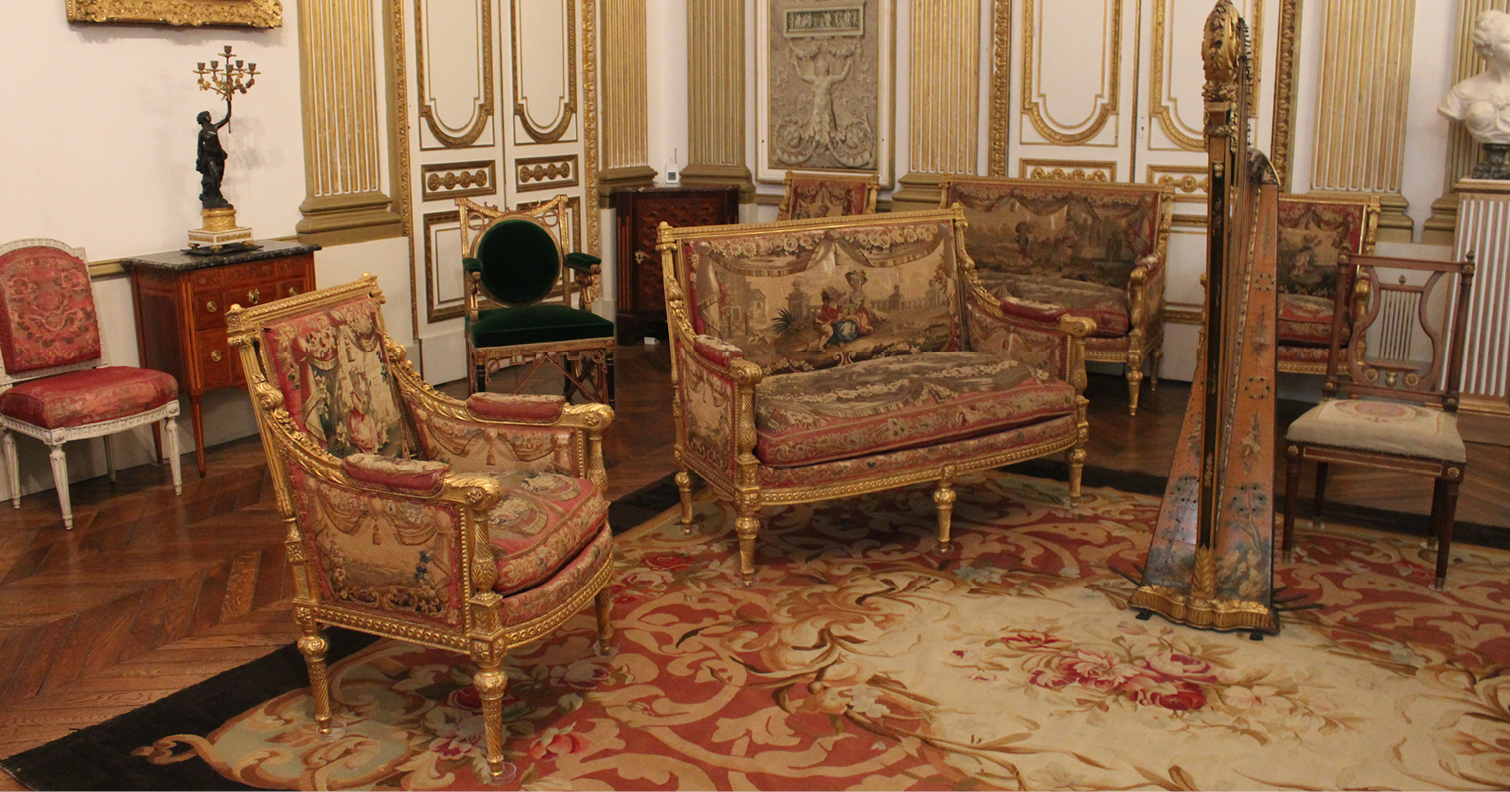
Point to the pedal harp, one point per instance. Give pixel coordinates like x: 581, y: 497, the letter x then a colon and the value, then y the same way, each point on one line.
x: 1210, y: 563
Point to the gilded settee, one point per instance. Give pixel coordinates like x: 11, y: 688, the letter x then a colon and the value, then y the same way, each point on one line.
x: 1094, y: 248
x: 829, y: 357
x: 1315, y: 233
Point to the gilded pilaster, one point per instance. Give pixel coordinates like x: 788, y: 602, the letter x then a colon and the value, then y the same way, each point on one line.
x: 624, y: 87
x: 1360, y: 111
x: 1462, y: 152
x: 945, y: 106
x: 338, y: 73
x: 716, y: 95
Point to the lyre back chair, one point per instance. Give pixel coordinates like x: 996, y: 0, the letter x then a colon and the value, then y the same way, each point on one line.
x: 529, y: 303
x: 472, y: 526
x: 1391, y: 393
x: 54, y: 384
x: 1316, y: 232
x: 823, y: 194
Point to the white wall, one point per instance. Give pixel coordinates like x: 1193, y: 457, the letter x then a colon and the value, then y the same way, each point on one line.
x: 98, y: 150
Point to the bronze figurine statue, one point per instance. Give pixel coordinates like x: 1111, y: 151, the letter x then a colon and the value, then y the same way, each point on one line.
x: 210, y: 161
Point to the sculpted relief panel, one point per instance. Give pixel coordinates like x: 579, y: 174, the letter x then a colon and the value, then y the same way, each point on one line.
x: 824, y: 77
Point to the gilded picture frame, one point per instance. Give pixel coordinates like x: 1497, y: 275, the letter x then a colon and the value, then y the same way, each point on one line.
x: 179, y: 13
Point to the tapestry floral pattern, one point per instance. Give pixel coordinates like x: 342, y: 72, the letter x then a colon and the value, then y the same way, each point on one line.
x: 820, y: 198
x: 805, y: 300
x: 857, y: 660
x: 46, y: 310
x: 333, y: 372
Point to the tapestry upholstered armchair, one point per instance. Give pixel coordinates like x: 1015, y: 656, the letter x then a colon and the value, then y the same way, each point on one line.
x: 1315, y: 233
x: 1093, y: 248
x: 822, y: 358
x: 807, y: 194
x: 473, y: 526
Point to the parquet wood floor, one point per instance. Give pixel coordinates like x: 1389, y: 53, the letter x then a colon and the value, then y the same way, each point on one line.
x: 151, y: 593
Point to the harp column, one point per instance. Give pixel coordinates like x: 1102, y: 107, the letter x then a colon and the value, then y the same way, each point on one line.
x: 1360, y: 106
x: 1462, y: 151
x: 343, y: 171
x: 716, y: 96
x: 944, y: 103
x: 624, y: 88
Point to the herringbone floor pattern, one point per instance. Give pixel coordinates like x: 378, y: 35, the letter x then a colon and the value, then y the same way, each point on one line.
x: 151, y: 593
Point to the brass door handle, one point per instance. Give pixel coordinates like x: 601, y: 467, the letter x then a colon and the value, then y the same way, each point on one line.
x: 253, y: 296
x: 215, y: 356
x: 211, y: 306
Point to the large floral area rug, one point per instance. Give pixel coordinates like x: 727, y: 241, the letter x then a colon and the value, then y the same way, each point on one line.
x: 859, y: 660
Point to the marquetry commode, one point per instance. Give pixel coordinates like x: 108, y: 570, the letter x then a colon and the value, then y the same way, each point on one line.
x: 181, y: 300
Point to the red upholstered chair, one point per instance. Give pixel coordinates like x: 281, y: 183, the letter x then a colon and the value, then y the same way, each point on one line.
x: 54, y: 385
x: 827, y: 194
x: 472, y: 526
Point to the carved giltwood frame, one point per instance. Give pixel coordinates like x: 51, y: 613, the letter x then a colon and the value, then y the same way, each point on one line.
x: 179, y: 13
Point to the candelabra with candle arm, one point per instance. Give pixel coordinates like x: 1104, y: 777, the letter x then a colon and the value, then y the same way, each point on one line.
x: 219, y: 232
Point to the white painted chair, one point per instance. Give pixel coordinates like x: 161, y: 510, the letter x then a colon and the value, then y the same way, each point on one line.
x: 54, y: 385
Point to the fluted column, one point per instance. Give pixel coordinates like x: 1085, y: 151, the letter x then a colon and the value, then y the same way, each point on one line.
x: 716, y: 95
x: 625, y: 146
x: 1360, y: 112
x: 1462, y: 151
x: 944, y: 108
x: 343, y: 172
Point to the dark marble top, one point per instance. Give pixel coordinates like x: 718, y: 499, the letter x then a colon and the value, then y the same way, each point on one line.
x: 177, y: 260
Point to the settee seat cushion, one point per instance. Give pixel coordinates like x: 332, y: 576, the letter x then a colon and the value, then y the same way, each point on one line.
x: 1305, y: 320
x: 540, y: 524
x: 893, y: 403
x: 1383, y: 427
x: 1105, y: 305
x: 89, y: 396
x: 536, y: 324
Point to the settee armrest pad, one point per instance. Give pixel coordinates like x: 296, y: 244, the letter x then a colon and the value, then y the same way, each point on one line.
x: 523, y: 407
x: 403, y: 475
x: 1015, y: 307
x: 716, y: 350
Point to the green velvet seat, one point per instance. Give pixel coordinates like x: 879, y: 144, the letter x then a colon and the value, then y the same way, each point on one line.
x: 528, y: 303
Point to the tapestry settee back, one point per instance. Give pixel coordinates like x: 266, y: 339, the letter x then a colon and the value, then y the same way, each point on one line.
x: 1093, y: 248
x: 836, y: 356
x: 1316, y: 232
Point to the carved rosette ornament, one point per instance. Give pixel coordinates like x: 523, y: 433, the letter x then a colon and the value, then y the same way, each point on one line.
x: 1226, y: 37
x: 181, y: 13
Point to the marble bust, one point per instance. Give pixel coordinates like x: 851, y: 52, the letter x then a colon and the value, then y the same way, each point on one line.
x: 1482, y: 102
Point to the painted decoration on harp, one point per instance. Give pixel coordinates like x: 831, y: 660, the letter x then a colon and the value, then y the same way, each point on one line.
x: 824, y: 97
x: 1482, y: 102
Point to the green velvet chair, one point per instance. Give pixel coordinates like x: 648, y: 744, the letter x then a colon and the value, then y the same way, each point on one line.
x: 528, y: 304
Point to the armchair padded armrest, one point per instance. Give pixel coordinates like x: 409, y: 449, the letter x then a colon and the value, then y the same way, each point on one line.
x: 525, y: 407
x: 716, y: 349
x: 410, y: 475
x: 582, y: 261
x: 1030, y: 310
x: 471, y: 265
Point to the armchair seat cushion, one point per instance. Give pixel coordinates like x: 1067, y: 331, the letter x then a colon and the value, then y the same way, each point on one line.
x: 1305, y: 320
x: 536, y: 324
x: 894, y: 403
x: 541, y: 523
x: 1381, y: 426
x: 1105, y: 305
x: 88, y: 396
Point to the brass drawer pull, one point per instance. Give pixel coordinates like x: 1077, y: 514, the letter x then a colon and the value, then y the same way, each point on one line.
x: 253, y: 296
x: 215, y: 356
x: 211, y: 306
x: 292, y: 290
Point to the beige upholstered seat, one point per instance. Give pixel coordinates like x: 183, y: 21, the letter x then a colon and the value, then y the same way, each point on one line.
x: 1383, y: 427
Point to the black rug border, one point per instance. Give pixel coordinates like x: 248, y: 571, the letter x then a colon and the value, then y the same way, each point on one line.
x: 99, y: 756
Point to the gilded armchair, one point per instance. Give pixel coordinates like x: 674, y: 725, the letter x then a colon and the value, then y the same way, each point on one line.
x: 826, y: 194
x: 473, y: 526
x: 1316, y: 233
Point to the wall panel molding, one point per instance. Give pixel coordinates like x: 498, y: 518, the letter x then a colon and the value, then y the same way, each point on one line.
x: 945, y: 103
x: 1364, y: 79
x: 1062, y: 131
x: 343, y: 171
x: 558, y: 128
x: 716, y: 96
x: 482, y: 106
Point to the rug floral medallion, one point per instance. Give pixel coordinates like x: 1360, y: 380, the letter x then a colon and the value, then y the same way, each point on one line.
x: 859, y: 660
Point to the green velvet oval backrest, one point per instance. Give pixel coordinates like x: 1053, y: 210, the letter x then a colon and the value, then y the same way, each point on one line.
x: 521, y: 262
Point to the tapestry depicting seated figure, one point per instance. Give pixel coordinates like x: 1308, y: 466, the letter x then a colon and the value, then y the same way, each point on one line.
x: 1315, y: 231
